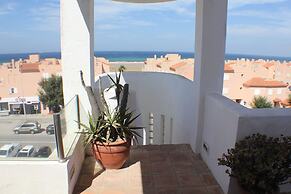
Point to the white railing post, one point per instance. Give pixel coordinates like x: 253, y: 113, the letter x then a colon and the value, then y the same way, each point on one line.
x: 151, y: 128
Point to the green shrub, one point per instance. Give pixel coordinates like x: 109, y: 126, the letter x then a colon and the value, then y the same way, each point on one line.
x: 51, y: 92
x: 259, y: 163
x: 261, y: 102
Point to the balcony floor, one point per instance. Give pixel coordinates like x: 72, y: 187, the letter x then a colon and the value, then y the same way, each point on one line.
x: 151, y: 169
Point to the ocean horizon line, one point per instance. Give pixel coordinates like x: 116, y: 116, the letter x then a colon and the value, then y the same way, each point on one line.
x: 137, y: 55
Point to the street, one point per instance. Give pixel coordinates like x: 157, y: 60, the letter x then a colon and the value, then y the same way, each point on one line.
x: 8, y: 123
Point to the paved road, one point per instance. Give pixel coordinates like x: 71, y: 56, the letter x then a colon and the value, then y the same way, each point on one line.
x: 28, y: 139
x: 8, y: 123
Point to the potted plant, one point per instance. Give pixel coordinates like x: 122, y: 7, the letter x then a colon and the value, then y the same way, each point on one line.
x: 110, y: 132
x: 259, y: 163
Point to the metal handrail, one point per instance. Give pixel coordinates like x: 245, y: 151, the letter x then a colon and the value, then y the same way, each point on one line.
x: 58, y: 136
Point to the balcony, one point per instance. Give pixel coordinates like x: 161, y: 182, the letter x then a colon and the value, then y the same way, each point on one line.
x: 167, y: 117
x: 175, y: 111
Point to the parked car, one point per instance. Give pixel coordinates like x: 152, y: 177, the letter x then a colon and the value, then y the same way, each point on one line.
x: 9, y: 150
x: 43, y: 152
x: 50, y: 129
x: 29, y: 127
x: 26, y: 151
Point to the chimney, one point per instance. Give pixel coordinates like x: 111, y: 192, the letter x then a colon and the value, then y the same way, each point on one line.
x: 13, y: 63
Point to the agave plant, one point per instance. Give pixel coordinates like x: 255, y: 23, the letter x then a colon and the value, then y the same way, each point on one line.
x: 111, y: 126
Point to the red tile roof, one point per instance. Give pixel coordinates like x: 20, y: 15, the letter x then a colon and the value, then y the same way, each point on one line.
x: 277, y: 100
x: 228, y: 68
x: 29, y: 67
x: 286, y: 103
x: 268, y: 65
x: 177, y: 65
x: 264, y: 83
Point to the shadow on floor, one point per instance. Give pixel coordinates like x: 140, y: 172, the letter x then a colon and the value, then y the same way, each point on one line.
x: 152, y: 169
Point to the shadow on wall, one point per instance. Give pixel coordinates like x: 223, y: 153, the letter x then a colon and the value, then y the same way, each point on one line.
x: 169, y: 97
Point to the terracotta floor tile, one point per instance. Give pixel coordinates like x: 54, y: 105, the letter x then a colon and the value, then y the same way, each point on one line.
x: 209, y: 179
x: 190, y: 180
x: 154, y: 169
x: 214, y: 190
x: 165, y: 180
x: 184, y: 167
x: 193, y: 190
x: 167, y: 191
x: 161, y: 167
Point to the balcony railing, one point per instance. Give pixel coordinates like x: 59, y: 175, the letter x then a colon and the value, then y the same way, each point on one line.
x: 33, y: 136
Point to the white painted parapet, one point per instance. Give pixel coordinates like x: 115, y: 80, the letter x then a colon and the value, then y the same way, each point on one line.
x: 228, y: 122
x: 168, y: 97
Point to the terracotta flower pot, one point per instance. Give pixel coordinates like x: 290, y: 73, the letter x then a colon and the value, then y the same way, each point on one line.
x: 112, y: 155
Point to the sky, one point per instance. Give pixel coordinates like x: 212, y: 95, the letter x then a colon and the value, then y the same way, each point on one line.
x: 256, y: 27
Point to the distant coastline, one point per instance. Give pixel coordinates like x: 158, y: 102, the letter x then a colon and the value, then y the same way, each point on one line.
x: 137, y: 56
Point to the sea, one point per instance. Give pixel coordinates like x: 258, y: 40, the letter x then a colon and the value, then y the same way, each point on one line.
x: 134, y: 55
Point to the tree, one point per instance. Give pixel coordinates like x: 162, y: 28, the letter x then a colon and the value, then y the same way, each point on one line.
x: 261, y: 102
x: 51, y: 93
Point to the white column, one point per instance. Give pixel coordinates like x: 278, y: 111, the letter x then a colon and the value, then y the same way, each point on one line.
x: 77, y: 46
x: 210, y: 37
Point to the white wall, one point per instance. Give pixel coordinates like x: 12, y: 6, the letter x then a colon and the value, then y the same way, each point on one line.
x: 228, y: 122
x: 77, y: 47
x: 220, y: 131
x: 33, y: 177
x: 162, y: 94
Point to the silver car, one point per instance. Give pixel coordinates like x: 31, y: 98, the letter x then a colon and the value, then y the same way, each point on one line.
x: 29, y: 127
x: 9, y: 150
x: 26, y: 151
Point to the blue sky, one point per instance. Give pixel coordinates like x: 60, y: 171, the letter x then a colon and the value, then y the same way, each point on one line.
x: 259, y: 27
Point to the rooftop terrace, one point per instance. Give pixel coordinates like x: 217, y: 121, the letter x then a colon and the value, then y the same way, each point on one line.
x: 151, y: 169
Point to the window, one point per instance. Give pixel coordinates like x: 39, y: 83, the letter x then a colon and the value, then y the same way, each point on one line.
x: 257, y: 92
x: 270, y: 91
x: 12, y: 90
x: 28, y: 125
x: 31, y: 150
x: 3, y: 106
x: 226, y: 76
x: 3, y: 152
